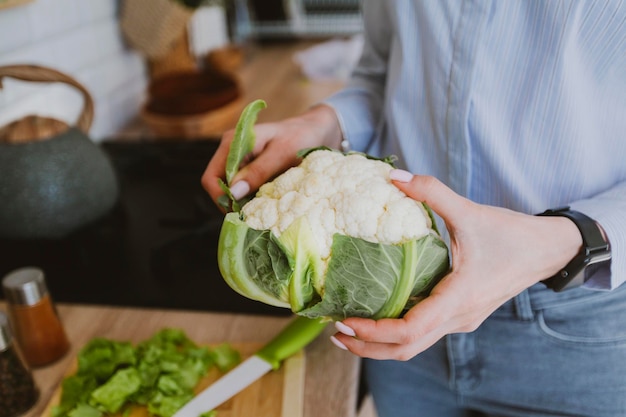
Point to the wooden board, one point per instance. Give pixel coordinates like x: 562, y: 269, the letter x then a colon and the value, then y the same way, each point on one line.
x: 278, y: 394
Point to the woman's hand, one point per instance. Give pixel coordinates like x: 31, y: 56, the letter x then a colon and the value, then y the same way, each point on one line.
x: 496, y: 254
x: 275, y: 150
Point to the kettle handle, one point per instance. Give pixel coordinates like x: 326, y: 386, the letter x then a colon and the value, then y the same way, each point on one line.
x: 43, y: 74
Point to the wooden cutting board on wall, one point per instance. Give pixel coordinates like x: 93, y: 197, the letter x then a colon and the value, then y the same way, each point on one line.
x: 277, y: 394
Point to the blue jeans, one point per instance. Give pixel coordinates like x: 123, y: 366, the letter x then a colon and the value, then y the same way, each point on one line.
x: 540, y: 354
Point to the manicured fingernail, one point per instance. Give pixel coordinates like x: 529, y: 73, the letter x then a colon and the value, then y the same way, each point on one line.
x: 400, y: 175
x: 240, y: 189
x: 337, y: 343
x: 348, y: 331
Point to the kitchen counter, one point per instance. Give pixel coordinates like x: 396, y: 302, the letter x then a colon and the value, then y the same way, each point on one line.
x: 331, y: 376
x: 86, y: 290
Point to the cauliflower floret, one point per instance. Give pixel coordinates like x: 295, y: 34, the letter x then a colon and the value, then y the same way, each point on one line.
x: 347, y: 194
x: 266, y: 213
x: 292, y: 205
x: 283, y: 183
x: 411, y: 224
x: 319, y: 162
x: 357, y: 215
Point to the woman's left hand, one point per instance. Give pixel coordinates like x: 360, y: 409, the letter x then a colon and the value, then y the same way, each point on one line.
x: 496, y: 254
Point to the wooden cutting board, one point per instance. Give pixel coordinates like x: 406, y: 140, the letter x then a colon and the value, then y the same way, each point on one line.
x: 277, y: 394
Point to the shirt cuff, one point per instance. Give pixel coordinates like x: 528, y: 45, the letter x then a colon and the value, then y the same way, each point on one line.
x: 355, y: 117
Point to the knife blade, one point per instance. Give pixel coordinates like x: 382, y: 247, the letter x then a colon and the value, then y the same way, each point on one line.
x: 294, y: 337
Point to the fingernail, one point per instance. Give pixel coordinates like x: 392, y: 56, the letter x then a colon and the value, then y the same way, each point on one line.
x: 400, y: 175
x: 337, y: 343
x: 240, y: 189
x: 348, y: 331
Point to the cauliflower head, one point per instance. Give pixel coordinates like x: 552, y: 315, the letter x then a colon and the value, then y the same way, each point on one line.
x: 333, y: 238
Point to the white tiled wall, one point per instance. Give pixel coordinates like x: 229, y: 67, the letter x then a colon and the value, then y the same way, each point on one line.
x: 81, y: 38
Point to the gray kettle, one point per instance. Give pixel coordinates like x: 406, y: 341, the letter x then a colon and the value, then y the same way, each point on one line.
x: 53, y: 178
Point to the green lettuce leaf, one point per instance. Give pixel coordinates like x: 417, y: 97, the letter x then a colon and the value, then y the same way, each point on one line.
x: 160, y: 373
x: 167, y: 405
x: 75, y: 389
x: 111, y: 396
x: 101, y: 358
x: 84, y: 410
x: 225, y: 357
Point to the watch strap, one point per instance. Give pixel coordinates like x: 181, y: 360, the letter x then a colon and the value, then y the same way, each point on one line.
x: 593, y: 245
x: 589, y: 230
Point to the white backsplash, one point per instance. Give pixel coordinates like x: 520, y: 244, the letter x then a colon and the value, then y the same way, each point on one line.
x: 81, y: 38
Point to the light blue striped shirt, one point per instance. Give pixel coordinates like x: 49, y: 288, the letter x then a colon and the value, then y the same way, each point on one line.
x: 519, y: 104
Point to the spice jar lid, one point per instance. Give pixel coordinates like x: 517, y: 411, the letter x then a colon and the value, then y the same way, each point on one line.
x: 25, y: 286
x: 5, y: 333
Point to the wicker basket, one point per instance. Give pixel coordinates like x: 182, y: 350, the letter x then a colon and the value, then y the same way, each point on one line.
x: 192, y: 105
x: 177, y: 59
x: 210, y: 125
x: 154, y: 26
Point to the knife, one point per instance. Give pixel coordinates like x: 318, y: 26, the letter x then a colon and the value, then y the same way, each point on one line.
x: 299, y: 333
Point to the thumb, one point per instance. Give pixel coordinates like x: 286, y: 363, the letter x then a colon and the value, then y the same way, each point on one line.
x: 427, y: 189
x: 271, y: 160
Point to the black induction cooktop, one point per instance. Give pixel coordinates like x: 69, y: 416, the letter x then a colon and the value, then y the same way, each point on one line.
x: 156, y: 248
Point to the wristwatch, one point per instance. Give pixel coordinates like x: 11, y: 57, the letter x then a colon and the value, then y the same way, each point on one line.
x: 595, y: 253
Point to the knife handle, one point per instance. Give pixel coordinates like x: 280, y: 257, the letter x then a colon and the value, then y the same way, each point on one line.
x: 299, y: 333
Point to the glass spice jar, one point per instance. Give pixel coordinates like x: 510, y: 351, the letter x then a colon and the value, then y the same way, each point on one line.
x: 18, y: 392
x: 36, y: 325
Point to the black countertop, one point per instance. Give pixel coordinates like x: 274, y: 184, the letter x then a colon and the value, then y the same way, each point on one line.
x: 156, y: 248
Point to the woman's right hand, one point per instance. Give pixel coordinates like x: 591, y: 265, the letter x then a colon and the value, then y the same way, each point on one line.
x: 275, y: 150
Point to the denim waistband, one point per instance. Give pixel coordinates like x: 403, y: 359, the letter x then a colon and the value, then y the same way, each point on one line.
x: 519, y: 307
x: 539, y: 297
